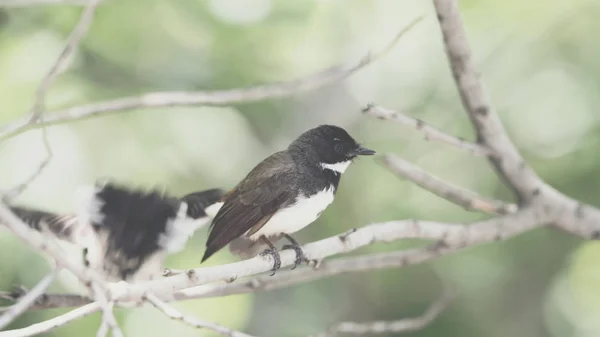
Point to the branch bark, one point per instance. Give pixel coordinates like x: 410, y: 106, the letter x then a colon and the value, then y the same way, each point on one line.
x: 430, y: 132
x: 455, y: 194
x: 26, y: 301
x: 53, y: 323
x: 173, y: 313
x: 399, y: 326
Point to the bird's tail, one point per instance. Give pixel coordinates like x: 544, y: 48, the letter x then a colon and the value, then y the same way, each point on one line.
x: 204, y: 203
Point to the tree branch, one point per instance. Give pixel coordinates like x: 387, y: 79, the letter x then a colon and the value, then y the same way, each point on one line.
x: 564, y: 212
x: 38, y: 328
x: 452, y: 193
x: 173, y: 313
x: 109, y: 322
x: 399, y: 326
x: 72, y: 42
x: 430, y: 132
x: 36, y: 241
x: 449, y: 237
x: 17, y: 190
x: 214, y: 98
x: 451, y: 234
x: 28, y: 300
x: 475, y: 98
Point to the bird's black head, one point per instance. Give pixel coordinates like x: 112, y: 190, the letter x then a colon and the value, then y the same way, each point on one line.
x: 329, y: 145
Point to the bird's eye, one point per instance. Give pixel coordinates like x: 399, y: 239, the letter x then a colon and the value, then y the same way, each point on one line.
x: 338, y: 148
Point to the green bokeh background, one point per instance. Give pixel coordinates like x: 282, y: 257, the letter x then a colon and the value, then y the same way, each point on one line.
x: 539, y: 59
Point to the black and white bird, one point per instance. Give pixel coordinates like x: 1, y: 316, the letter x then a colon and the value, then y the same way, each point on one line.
x: 122, y: 233
x: 285, y: 192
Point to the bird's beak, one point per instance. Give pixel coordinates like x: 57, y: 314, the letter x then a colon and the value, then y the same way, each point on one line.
x: 363, y: 151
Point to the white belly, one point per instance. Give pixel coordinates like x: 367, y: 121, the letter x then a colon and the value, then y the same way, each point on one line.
x: 297, y: 216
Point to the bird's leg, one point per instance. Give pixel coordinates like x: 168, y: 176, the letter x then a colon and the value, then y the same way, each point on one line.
x: 300, y: 257
x: 273, y: 252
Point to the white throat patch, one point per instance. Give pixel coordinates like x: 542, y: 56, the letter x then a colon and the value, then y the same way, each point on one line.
x: 337, y: 167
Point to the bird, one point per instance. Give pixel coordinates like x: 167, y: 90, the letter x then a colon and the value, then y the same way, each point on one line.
x: 284, y: 193
x: 124, y: 233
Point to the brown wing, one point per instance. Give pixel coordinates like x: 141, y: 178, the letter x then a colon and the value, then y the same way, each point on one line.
x: 267, y: 188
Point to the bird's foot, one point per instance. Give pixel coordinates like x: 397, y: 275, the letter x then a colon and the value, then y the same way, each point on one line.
x: 300, y: 257
x: 276, y: 258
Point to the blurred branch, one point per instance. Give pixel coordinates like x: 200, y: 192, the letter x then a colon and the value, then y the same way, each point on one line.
x: 26, y: 301
x: 28, y: 3
x: 17, y: 190
x: 72, y: 42
x: 430, y: 132
x: 97, y: 286
x: 399, y: 326
x: 452, y: 193
x: 173, y: 313
x: 38, y: 242
x: 38, y: 328
x: 215, y: 98
x: 40, y: 97
x: 109, y: 322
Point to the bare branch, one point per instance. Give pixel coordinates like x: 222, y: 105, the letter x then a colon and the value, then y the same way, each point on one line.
x: 449, y: 238
x: 26, y: 301
x: 430, y: 132
x: 40, y: 97
x: 72, y: 42
x: 49, y: 300
x: 194, y: 322
x: 399, y: 326
x: 109, y: 322
x: 452, y: 193
x: 564, y: 212
x: 35, y: 240
x: 17, y: 190
x: 451, y: 234
x: 214, y: 98
x: 38, y: 328
x: 475, y: 98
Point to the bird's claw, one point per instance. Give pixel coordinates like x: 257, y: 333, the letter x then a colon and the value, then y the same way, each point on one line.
x: 300, y: 257
x: 276, y: 259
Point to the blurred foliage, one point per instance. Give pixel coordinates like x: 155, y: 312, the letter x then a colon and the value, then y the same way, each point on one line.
x: 538, y: 58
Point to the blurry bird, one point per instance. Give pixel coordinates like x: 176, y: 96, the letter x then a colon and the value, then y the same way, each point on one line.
x: 125, y: 234
x: 284, y: 193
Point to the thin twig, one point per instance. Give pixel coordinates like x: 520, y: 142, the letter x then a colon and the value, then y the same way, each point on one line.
x: 26, y: 301
x: 36, y: 241
x: 458, y: 195
x: 214, y: 98
x: 399, y: 326
x: 38, y: 328
x: 17, y: 190
x: 192, y: 321
x: 73, y: 40
x: 430, y: 132
x: 109, y: 322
